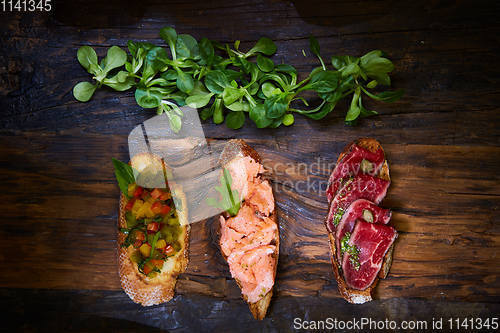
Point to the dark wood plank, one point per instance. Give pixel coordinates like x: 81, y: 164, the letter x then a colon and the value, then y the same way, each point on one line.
x: 111, y: 311
x: 444, y: 208
x: 59, y: 198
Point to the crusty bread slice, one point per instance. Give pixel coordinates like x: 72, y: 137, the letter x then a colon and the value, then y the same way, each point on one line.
x: 239, y: 147
x: 349, y: 294
x: 151, y: 291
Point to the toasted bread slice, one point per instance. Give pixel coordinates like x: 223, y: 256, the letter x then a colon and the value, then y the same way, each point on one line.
x: 349, y: 294
x: 241, y: 148
x: 140, y: 288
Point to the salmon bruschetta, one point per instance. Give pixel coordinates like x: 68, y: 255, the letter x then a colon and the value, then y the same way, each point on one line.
x: 249, y: 240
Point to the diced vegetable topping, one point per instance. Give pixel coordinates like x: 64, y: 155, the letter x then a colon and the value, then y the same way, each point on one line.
x: 138, y: 191
x: 153, y: 228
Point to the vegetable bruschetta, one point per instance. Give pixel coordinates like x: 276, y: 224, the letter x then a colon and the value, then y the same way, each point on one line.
x: 153, y: 238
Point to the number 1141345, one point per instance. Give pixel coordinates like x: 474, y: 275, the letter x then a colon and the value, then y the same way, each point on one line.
x: 26, y: 5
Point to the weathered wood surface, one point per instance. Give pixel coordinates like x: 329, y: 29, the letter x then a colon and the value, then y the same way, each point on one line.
x: 59, y: 197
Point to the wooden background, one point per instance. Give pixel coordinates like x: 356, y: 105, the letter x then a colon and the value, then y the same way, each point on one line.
x: 59, y: 200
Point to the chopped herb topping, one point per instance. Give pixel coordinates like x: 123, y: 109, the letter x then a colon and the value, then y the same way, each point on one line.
x: 352, y: 250
x: 338, y: 215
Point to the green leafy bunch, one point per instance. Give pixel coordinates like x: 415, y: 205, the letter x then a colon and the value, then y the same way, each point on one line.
x: 225, y: 82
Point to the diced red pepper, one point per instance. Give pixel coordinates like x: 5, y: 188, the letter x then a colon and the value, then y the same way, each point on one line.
x: 144, y: 195
x: 129, y: 205
x: 165, y: 196
x: 168, y: 250
x: 156, y: 193
x: 165, y: 209
x: 147, y: 269
x: 158, y: 263
x: 138, y: 191
x: 139, y: 235
x: 153, y: 227
x: 156, y: 207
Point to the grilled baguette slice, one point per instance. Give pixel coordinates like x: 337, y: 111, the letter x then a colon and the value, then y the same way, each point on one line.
x: 349, y: 294
x: 241, y: 148
x: 140, y: 288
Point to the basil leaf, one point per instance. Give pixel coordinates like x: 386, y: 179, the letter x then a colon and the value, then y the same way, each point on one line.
x: 338, y: 62
x: 235, y: 119
x: 132, y: 47
x: 253, y: 89
x: 115, y: 57
x: 276, y: 106
x: 351, y: 69
x: 147, y: 98
x: 169, y: 35
x: 175, y: 121
x: 156, y: 58
x: 276, y: 123
x: 354, y: 109
x: 206, y: 51
x: 216, y: 81
x: 265, y: 64
x: 285, y: 69
x: 170, y: 75
x: 186, y: 46
x: 86, y: 57
x: 83, y: 91
x: 324, y: 81
x: 239, y: 106
x: 269, y: 89
x: 377, y: 67
x: 364, y: 60
x: 258, y: 115
x: 198, y: 101
x: 314, y: 46
x: 121, y: 86
x: 231, y: 95
x: 184, y: 82
x: 264, y: 45
x: 124, y: 175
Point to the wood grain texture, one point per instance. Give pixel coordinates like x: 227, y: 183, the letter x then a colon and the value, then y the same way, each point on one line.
x: 59, y: 198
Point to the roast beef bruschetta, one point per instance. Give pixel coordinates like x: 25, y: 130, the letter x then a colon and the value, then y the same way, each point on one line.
x: 249, y: 240
x: 153, y: 240
x: 361, y: 241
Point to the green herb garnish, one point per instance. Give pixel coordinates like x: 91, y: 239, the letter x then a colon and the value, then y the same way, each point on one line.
x: 338, y: 216
x: 352, y: 250
x: 226, y: 83
x: 230, y: 200
x: 124, y: 175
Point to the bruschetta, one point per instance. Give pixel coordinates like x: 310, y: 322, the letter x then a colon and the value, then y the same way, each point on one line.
x: 249, y: 241
x: 153, y: 238
x: 361, y: 241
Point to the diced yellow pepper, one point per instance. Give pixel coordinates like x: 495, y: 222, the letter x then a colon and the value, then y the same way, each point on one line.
x: 160, y: 244
x: 137, y: 206
x: 145, y: 211
x: 145, y: 250
x: 131, y: 189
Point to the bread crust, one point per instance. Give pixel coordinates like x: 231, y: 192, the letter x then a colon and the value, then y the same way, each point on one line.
x: 353, y: 295
x: 258, y: 309
x: 151, y: 291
